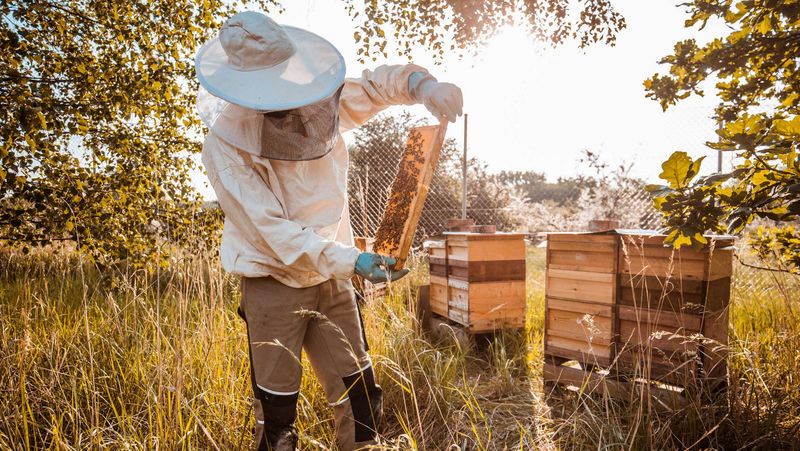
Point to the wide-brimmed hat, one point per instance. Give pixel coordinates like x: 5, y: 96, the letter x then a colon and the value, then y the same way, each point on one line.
x: 255, y: 63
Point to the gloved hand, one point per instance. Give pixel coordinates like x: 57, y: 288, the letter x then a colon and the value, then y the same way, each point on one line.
x: 377, y: 268
x: 443, y: 100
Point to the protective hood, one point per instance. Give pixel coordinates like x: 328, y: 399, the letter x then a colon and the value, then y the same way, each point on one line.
x: 299, y: 134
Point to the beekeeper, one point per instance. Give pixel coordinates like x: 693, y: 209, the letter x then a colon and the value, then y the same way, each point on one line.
x: 275, y: 101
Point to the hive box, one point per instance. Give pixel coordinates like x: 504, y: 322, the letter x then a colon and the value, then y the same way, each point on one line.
x: 580, y: 296
x: 437, y: 257
x: 478, y: 280
x: 623, y: 301
x: 437, y: 261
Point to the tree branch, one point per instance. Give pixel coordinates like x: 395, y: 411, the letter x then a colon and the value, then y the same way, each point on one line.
x: 35, y: 240
x: 763, y: 268
x: 74, y: 13
x: 36, y: 79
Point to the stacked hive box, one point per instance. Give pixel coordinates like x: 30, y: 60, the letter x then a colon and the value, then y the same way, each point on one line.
x: 580, y: 294
x: 623, y: 298
x: 672, y: 312
x: 437, y: 258
x: 479, y: 280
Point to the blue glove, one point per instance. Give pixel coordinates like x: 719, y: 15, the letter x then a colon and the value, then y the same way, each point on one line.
x: 377, y: 268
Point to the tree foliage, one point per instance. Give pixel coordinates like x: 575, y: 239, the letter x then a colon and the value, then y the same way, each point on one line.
x: 444, y: 26
x: 570, y: 204
x: 98, y: 123
x: 98, y: 126
x: 758, y: 119
x: 534, y: 187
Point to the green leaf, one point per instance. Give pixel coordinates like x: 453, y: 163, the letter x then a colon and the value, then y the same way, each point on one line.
x: 715, y: 179
x: 736, y: 224
x: 681, y: 240
x: 671, y: 236
x: 679, y: 169
x: 760, y: 178
x: 789, y: 128
x: 764, y: 26
x: 652, y: 188
x: 695, y: 169
x: 42, y: 120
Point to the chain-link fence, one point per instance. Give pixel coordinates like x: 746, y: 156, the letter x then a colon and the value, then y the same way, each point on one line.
x: 520, y: 200
x: 374, y: 160
x: 754, y: 277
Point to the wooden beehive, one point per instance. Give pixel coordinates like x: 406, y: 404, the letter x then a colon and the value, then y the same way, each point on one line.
x: 623, y: 301
x: 408, y: 192
x: 580, y: 293
x: 484, y: 287
x: 672, y: 311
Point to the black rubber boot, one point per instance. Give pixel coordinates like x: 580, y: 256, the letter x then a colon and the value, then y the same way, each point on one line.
x: 279, y: 413
x: 283, y: 440
x: 366, y: 400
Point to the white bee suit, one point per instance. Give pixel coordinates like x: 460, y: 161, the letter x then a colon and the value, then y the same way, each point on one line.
x: 289, y: 219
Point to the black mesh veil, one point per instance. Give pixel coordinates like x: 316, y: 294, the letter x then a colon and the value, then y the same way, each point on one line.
x: 305, y: 133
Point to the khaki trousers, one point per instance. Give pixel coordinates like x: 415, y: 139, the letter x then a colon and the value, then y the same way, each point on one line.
x: 324, y: 321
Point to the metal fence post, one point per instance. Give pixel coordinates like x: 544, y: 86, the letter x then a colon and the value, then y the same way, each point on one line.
x: 464, y: 172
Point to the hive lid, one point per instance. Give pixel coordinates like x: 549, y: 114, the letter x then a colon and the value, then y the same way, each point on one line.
x: 428, y: 244
x: 726, y: 240
x: 486, y: 236
x: 640, y: 232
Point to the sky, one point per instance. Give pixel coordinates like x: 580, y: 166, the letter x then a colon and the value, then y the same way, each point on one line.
x: 532, y: 107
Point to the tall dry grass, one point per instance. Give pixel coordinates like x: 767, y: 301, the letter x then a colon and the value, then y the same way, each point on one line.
x: 120, y: 360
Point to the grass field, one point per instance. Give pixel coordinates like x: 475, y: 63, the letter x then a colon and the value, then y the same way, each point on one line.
x: 91, y: 360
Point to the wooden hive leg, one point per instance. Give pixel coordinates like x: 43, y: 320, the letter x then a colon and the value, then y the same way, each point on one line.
x: 555, y: 360
x: 424, y: 307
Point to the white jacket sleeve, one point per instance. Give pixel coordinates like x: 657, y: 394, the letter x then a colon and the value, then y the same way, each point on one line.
x: 362, y: 98
x: 248, y: 201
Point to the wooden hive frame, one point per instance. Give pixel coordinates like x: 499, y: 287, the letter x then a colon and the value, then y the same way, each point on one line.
x: 408, y: 192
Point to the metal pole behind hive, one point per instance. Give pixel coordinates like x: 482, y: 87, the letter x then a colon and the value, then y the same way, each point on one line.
x: 464, y: 172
